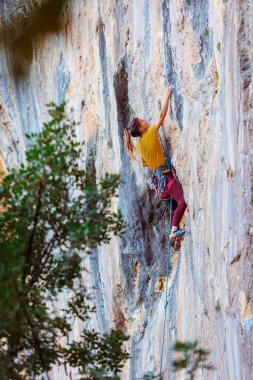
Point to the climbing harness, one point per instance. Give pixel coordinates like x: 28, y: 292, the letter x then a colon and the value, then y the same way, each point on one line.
x: 159, y: 180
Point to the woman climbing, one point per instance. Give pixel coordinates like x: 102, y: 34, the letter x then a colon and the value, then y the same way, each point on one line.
x: 151, y: 154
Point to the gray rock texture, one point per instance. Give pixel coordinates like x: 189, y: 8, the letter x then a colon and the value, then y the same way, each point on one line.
x: 111, y: 60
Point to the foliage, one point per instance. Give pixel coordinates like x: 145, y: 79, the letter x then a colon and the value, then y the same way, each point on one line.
x: 190, y: 357
x: 109, y: 358
x: 51, y: 208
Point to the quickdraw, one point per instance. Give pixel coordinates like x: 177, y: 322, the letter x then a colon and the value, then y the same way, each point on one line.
x: 158, y: 184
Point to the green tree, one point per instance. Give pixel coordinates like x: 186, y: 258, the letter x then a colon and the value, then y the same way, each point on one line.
x: 52, y: 213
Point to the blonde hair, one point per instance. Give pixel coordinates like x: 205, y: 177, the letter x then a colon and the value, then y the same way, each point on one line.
x: 132, y: 130
x: 128, y: 144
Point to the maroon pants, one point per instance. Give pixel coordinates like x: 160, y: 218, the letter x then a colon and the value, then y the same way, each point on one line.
x: 176, y: 191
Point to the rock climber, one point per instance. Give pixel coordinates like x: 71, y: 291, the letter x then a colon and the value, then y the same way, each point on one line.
x: 151, y: 154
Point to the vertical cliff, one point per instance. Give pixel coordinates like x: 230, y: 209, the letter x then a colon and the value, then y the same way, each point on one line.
x: 113, y: 59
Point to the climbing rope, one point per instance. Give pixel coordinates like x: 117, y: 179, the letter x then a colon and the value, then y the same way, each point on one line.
x: 165, y: 147
x: 166, y: 294
x: 166, y: 153
x: 168, y: 162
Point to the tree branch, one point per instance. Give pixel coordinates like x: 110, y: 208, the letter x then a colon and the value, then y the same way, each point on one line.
x: 46, y: 256
x: 36, y: 338
x: 20, y: 6
x: 35, y: 222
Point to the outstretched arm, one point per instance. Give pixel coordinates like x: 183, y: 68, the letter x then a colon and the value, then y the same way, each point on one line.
x: 164, y: 108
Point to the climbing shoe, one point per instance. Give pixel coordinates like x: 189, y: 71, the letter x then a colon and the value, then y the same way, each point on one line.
x: 176, y: 235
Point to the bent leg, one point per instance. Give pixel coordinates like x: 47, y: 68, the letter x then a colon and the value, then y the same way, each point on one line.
x: 176, y: 192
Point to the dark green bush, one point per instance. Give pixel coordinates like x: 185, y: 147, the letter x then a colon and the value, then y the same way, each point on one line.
x: 52, y: 213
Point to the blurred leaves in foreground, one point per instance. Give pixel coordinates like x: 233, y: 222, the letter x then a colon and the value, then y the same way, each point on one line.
x: 53, y: 213
x: 190, y: 357
x: 22, y: 22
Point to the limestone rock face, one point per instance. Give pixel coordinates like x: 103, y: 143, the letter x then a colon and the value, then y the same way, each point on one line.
x: 114, y: 59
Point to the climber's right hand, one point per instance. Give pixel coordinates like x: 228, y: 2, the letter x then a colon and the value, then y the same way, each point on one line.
x: 164, y: 108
